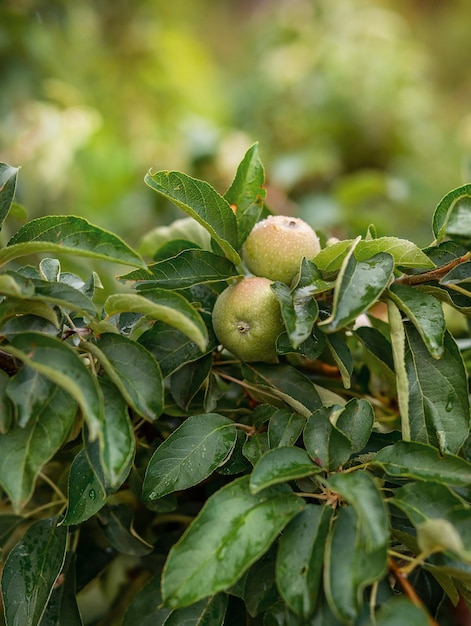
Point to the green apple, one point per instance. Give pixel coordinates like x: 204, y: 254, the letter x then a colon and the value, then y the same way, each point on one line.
x: 247, y: 319
x: 276, y: 246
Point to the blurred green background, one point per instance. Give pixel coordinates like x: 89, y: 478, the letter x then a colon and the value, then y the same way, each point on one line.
x: 361, y: 107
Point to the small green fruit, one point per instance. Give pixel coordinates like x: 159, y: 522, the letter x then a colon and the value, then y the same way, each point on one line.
x: 276, y: 246
x: 247, y: 319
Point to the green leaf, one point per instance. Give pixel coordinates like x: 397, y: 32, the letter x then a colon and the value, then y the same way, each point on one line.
x: 246, y: 194
x: 433, y: 394
x: 405, y: 253
x: 217, y: 549
x: 31, y: 570
x: 259, y: 584
x: 188, y: 268
x: 60, y: 363
x: 167, y: 306
x: 24, y: 451
x: 299, y: 562
x: 359, y: 285
x: 342, y: 356
x: 133, y: 370
x: 202, y: 202
x: 30, y: 392
x: 281, y: 465
x: 62, y: 607
x: 400, y: 611
x: 356, y: 422
x: 72, y: 235
x: 119, y: 443
x: 299, y: 312
x: 188, y: 380
x: 420, y: 461
x: 86, y: 494
x: 425, y: 312
x: 189, y: 455
x: 145, y: 608
x: 326, y: 444
x: 255, y: 447
x: 8, y: 179
x: 207, y: 612
x: 378, y: 350
x: 452, y: 217
x: 117, y: 524
x: 285, y: 383
x: 284, y: 428
x: 184, y: 229
x: 6, y: 405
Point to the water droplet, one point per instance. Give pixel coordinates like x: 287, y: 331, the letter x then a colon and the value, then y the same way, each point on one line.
x: 449, y: 404
x: 92, y: 494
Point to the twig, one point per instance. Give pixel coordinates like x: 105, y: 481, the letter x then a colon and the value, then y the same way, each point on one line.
x: 436, y: 274
x: 408, y: 589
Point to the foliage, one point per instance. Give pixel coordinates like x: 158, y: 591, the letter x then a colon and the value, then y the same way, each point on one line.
x: 146, y: 473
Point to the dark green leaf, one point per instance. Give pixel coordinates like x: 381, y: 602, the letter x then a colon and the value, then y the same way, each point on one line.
x: 117, y: 524
x: 260, y: 591
x: 86, y: 494
x: 60, y: 363
x: 433, y: 394
x: 145, y: 608
x: 425, y: 312
x: 189, y: 455
x: 8, y: 178
x: 6, y: 405
x: 202, y: 202
x: 452, y: 217
x: 423, y: 462
x: 187, y: 380
x: 359, y: 285
x: 284, y: 428
x: 400, y: 611
x: 285, y: 383
x: 31, y: 570
x: 207, y: 612
x: 216, y: 549
x: 281, y: 465
x: 299, y: 312
x: 69, y: 234
x: 134, y: 371
x: 327, y: 445
x: 255, y: 447
x: 30, y: 392
x: 167, y: 306
x: 62, y: 608
x: 356, y: 422
x: 189, y: 267
x: 299, y: 561
x: 24, y: 451
x: 342, y: 356
x: 378, y: 349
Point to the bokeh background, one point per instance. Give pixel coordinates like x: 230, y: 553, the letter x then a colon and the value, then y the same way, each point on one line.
x: 362, y: 108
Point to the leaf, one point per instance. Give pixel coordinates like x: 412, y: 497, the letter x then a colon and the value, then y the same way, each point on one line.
x: 189, y: 455
x: 379, y: 349
x: 145, y: 608
x: 328, y: 446
x: 189, y: 267
x: 400, y: 611
x: 59, y: 362
x: 405, y: 253
x: 452, y: 217
x: 299, y: 312
x: 359, y: 285
x: 86, y: 494
x: 6, y: 406
x: 356, y: 422
x: 420, y: 461
x: 286, y: 383
x: 167, y: 306
x: 202, y: 202
x: 299, y: 562
x: 119, y: 443
x: 425, y: 312
x: 117, y: 523
x: 433, y: 394
x: 216, y: 549
x: 8, y: 179
x: 31, y: 570
x: 281, y: 465
x: 207, y: 612
x: 24, y: 451
x: 255, y: 447
x: 246, y: 194
x: 30, y: 392
x: 284, y: 428
x: 68, y: 234
x: 188, y: 380
x: 184, y: 229
x: 62, y: 607
x: 342, y: 356
x: 259, y: 584
x: 133, y: 370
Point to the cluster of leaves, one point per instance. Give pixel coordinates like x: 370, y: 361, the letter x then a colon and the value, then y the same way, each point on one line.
x: 311, y: 491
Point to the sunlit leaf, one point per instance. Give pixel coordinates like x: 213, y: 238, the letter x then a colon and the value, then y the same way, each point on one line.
x: 452, y: 217
x: 8, y: 179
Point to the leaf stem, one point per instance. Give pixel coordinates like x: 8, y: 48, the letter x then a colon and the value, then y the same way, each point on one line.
x: 408, y: 589
x: 436, y: 274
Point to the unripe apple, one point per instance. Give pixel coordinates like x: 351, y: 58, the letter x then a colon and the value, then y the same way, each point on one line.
x: 247, y: 319
x: 276, y: 246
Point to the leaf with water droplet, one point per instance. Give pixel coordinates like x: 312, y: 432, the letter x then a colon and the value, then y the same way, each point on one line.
x: 86, y: 493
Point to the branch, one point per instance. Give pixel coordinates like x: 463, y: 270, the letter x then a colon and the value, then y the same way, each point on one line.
x: 408, y: 589
x: 436, y: 274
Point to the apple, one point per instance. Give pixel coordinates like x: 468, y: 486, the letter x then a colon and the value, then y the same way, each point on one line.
x: 247, y: 319
x: 276, y: 246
